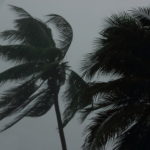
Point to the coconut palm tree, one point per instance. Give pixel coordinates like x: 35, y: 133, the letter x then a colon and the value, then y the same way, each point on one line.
x: 39, y: 69
x: 121, y: 105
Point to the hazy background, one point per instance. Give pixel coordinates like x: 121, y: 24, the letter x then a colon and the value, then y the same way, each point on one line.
x: 87, y: 18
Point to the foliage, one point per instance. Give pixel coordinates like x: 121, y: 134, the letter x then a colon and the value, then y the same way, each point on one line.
x: 122, y: 105
x: 38, y: 60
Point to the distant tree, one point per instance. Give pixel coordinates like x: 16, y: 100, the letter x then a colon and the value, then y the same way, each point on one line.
x: 39, y: 67
x: 122, y: 105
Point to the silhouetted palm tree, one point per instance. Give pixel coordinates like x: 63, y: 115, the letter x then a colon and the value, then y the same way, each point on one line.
x: 39, y: 67
x: 122, y: 105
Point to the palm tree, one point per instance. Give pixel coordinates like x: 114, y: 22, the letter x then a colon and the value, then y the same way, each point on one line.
x: 39, y: 68
x: 122, y: 105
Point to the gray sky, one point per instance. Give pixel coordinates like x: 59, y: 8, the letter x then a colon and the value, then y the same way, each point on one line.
x: 86, y: 18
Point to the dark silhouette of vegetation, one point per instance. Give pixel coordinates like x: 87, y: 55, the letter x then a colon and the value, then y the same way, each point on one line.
x: 122, y: 105
x: 39, y: 67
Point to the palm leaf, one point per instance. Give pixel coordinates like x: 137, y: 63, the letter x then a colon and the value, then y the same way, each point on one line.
x: 35, y: 32
x: 24, y: 112
x: 85, y: 112
x: 19, y: 53
x: 13, y: 99
x: 30, y: 30
x: 12, y: 36
x: 45, y: 103
x: 65, y: 31
x: 125, y: 90
x: 91, y: 141
x: 111, y: 123
x: 20, y: 72
x: 74, y: 100
x: 20, y: 12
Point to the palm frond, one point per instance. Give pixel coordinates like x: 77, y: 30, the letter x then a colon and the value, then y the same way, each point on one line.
x: 21, y: 53
x: 20, y: 72
x: 24, y: 112
x: 123, y: 91
x: 65, y: 31
x: 13, y: 99
x: 109, y: 124
x: 35, y: 32
x: 12, y: 36
x: 92, y: 141
x: 45, y: 103
x: 20, y: 12
x: 74, y: 101
x: 85, y: 112
x: 30, y: 30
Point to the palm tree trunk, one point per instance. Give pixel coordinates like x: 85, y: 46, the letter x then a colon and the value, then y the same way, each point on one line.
x: 60, y: 125
x: 54, y: 88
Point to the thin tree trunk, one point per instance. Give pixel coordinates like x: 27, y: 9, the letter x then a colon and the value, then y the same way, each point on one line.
x: 54, y: 88
x: 60, y: 125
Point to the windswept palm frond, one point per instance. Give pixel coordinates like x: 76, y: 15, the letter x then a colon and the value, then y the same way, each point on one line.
x: 109, y: 124
x: 20, y: 72
x: 92, y: 142
x: 65, y: 31
x: 36, y: 33
x: 20, y: 12
x: 24, y: 112
x: 14, y: 99
x: 12, y: 36
x: 85, y: 112
x: 74, y: 101
x: 30, y: 30
x: 129, y: 86
x: 24, y: 53
x: 46, y: 101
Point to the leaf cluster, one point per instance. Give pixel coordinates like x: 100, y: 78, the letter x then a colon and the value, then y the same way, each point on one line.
x: 121, y: 105
x: 38, y: 67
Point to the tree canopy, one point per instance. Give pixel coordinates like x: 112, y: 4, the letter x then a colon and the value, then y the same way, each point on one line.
x: 120, y: 107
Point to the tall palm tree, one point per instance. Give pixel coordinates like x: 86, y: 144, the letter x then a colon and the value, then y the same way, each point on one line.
x: 121, y: 105
x: 39, y: 67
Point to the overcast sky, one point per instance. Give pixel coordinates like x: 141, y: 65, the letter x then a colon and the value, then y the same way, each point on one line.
x: 87, y: 18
